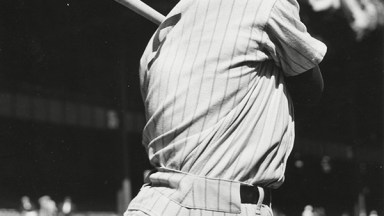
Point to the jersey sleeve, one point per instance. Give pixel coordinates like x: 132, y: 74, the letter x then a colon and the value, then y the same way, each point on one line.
x: 293, y: 48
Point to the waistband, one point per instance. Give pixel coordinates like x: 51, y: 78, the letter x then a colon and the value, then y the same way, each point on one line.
x: 200, y: 192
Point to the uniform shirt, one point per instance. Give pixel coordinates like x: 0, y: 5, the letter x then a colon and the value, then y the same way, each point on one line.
x: 212, y: 81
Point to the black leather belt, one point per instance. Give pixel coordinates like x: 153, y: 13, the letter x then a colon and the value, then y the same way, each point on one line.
x: 250, y: 194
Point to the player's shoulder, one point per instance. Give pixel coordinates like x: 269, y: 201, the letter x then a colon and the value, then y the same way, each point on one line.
x: 286, y: 5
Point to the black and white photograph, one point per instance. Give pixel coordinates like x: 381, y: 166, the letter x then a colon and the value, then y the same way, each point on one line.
x: 191, y: 107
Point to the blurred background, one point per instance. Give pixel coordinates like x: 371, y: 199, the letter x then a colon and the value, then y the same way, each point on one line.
x: 71, y: 114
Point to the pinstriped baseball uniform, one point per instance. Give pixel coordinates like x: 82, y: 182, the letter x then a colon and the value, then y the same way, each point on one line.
x: 218, y: 113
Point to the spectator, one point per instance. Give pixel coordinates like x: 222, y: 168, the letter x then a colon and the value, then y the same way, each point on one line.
x: 308, y: 211
x: 27, y: 208
x: 66, y: 207
x: 47, y: 206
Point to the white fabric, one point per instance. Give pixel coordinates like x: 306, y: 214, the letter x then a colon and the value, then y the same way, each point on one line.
x: 212, y: 81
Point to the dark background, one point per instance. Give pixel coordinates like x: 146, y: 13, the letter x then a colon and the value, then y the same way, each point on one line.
x: 87, y: 52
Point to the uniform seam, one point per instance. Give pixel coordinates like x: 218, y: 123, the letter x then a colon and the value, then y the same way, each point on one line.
x: 269, y: 16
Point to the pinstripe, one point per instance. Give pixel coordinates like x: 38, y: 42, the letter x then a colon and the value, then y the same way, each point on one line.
x: 165, y: 208
x: 173, y: 62
x: 239, y: 81
x: 193, y: 196
x: 210, y: 43
x: 158, y: 95
x: 187, y: 128
x: 166, y: 91
x: 218, y: 107
x: 205, y: 60
x: 292, y: 19
x: 155, y: 202
x: 218, y: 195
x: 193, y: 26
x: 233, y: 55
x: 188, y: 46
x: 214, y: 78
x: 294, y: 48
x: 287, y: 56
x: 160, y: 204
x: 161, y: 83
x: 298, y: 52
x: 205, y: 194
x: 144, y: 194
x: 184, y: 57
x: 185, y: 196
x: 271, y: 85
x: 194, y: 60
x: 249, y: 86
x: 163, y: 106
x: 238, y: 132
x: 174, y: 97
x: 230, y: 196
x: 178, y: 210
x: 288, y: 59
x: 219, y: 54
x: 233, y: 155
x: 177, y: 85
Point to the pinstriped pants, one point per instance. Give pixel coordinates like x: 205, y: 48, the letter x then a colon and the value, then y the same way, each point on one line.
x: 179, y: 194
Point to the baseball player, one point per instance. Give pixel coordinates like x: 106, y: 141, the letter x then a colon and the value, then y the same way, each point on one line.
x: 219, y: 114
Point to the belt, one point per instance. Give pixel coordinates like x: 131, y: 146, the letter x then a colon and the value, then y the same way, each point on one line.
x: 200, y: 192
x: 252, y: 194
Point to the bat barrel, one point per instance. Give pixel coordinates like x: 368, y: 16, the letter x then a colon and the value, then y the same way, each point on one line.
x: 143, y: 9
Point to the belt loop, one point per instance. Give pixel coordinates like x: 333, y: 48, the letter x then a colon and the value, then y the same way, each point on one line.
x: 270, y: 198
x: 261, y: 195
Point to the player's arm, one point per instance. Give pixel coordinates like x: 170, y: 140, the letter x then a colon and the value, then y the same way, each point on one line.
x: 296, y: 52
x: 306, y: 88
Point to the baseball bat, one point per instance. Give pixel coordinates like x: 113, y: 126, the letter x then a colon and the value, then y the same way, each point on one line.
x: 144, y: 10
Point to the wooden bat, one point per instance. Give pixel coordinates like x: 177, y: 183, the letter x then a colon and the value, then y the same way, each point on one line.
x: 144, y: 10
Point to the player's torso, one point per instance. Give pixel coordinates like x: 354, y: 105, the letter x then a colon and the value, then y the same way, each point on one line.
x: 210, y: 90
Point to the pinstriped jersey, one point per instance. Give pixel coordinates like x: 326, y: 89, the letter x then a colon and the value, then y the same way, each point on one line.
x: 212, y: 82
